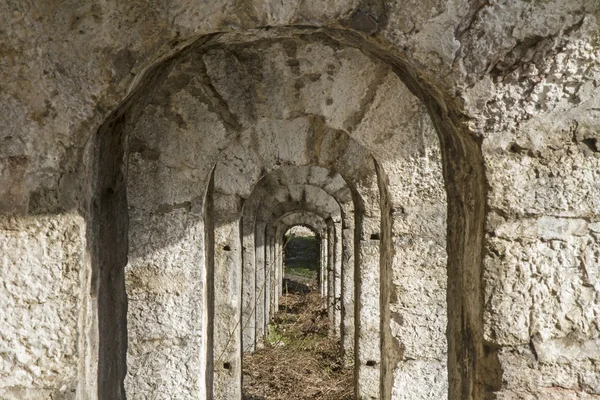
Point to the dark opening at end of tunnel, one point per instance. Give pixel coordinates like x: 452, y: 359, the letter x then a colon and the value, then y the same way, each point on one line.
x: 300, y: 358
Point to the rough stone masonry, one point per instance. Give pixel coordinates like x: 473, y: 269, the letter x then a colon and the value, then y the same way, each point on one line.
x: 153, y: 154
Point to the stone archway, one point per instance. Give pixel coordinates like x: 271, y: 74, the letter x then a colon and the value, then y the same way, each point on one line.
x: 510, y: 86
x: 229, y: 121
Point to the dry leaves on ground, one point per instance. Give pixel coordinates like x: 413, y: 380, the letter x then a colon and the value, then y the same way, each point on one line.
x: 299, y: 360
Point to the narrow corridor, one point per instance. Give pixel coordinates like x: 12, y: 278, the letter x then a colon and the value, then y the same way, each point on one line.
x: 299, y: 359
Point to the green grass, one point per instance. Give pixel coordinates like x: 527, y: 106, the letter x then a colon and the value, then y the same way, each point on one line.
x: 276, y: 336
x: 306, y: 271
x: 302, y: 256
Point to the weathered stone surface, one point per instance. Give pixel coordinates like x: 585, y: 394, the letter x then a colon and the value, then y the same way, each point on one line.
x: 40, y: 303
x: 420, y: 379
x: 118, y: 111
x: 166, y: 306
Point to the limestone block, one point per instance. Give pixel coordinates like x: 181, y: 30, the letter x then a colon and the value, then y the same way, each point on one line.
x: 42, y: 272
x: 527, y: 375
x: 421, y: 380
x: 545, y: 283
x: 419, y: 312
x: 165, y: 282
x: 561, y: 183
x: 163, y: 368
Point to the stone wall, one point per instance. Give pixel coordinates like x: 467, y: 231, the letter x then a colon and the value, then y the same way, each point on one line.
x: 42, y: 315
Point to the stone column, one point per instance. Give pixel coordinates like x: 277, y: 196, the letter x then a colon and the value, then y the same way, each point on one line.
x: 268, y: 278
x: 279, y: 257
x: 227, y: 308
x: 330, y: 274
x: 274, y: 275
x: 347, y: 287
x: 250, y: 301
x: 323, y: 267
x: 337, y: 278
x: 367, y: 322
x: 259, y: 254
x: 42, y: 262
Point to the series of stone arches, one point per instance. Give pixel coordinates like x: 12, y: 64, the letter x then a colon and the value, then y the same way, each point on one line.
x: 105, y: 234
x: 232, y: 145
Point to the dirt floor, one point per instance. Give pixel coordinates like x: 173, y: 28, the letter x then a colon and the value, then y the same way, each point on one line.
x: 299, y: 360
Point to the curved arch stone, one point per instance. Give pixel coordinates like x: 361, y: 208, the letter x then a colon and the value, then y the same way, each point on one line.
x: 302, y: 218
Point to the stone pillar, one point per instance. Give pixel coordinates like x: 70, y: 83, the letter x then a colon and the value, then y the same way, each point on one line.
x: 337, y: 278
x: 259, y: 256
x: 41, y: 266
x: 323, y: 267
x: 367, y: 322
x: 227, y: 308
x: 347, y: 289
x: 275, y: 269
x: 330, y: 274
x: 280, y: 264
x: 274, y: 276
x: 250, y: 301
x: 268, y: 278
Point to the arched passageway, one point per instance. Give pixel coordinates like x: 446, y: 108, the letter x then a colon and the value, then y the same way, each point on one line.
x: 301, y: 256
x: 134, y: 135
x: 301, y: 357
x: 204, y: 151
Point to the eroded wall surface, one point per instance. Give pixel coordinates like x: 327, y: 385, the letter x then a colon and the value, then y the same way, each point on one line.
x: 166, y: 274
x: 519, y: 79
x: 40, y: 305
x: 542, y: 253
x: 413, y: 167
